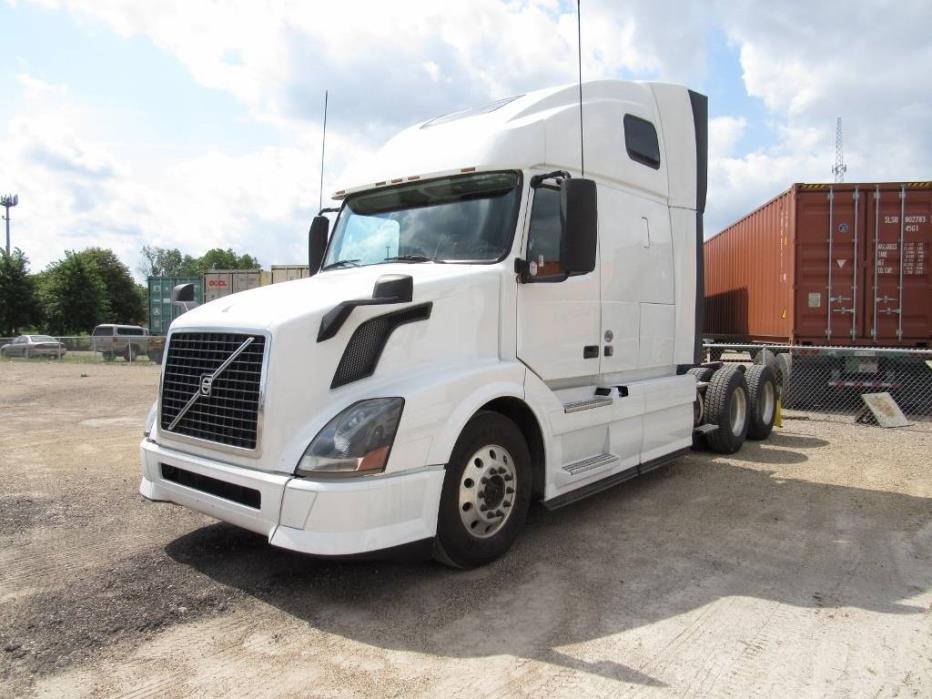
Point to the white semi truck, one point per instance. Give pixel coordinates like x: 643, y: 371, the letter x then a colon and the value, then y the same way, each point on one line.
x: 486, y: 325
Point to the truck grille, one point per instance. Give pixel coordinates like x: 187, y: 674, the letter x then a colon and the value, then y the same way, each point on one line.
x: 227, y: 407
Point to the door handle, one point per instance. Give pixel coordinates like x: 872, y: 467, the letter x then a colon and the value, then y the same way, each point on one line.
x: 590, y: 352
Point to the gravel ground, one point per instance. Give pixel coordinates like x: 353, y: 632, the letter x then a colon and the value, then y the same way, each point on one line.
x: 800, y: 566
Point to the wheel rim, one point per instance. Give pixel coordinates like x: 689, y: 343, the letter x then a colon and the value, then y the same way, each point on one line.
x: 487, y: 491
x: 739, y: 411
x: 767, y: 402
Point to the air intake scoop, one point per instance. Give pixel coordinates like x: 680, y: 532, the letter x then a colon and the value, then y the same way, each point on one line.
x: 388, y: 289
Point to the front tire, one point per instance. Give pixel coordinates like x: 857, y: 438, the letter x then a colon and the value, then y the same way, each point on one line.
x: 486, y: 492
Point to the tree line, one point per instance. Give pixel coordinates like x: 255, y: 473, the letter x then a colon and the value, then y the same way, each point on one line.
x: 92, y: 286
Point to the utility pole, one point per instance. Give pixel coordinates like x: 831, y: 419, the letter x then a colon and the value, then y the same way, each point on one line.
x: 8, y: 201
x: 839, y: 169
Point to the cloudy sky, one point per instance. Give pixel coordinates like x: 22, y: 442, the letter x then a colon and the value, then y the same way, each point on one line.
x: 196, y: 123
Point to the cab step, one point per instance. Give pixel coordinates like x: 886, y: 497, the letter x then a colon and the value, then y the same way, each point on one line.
x: 587, y: 404
x: 590, y: 464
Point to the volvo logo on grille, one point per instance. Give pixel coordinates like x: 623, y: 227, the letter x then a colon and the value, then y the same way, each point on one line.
x: 207, y: 382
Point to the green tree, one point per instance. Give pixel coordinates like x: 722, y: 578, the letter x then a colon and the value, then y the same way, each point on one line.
x: 218, y: 258
x: 170, y: 262
x: 74, y: 295
x: 19, y: 304
x: 163, y: 262
x: 122, y: 295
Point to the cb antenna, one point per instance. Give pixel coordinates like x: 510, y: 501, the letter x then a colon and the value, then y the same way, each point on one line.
x: 323, y: 148
x: 582, y: 152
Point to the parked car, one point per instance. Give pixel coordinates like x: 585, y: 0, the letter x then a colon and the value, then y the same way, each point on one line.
x: 33, y: 346
x: 127, y: 341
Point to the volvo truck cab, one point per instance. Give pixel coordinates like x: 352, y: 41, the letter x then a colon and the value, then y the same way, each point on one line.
x: 486, y: 324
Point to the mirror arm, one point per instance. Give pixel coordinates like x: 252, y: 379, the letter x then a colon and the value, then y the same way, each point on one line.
x: 538, y: 180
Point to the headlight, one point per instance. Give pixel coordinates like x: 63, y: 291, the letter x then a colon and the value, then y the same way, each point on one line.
x: 150, y: 419
x: 356, y: 441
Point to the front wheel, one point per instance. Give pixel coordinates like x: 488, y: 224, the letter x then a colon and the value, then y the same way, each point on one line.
x: 486, y: 492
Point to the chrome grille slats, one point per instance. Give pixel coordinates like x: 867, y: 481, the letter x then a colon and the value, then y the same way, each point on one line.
x: 229, y: 415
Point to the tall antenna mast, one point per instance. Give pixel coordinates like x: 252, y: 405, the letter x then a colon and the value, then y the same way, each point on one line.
x: 839, y: 169
x: 582, y: 151
x: 323, y: 148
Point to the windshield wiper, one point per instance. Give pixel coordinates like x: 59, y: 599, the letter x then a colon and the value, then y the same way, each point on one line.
x: 341, y: 263
x: 411, y: 258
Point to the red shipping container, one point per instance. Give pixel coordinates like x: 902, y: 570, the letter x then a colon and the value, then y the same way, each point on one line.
x: 826, y: 264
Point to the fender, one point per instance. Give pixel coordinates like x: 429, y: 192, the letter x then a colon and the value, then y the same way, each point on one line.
x: 506, y: 382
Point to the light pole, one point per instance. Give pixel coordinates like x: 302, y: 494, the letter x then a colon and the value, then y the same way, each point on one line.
x: 8, y: 201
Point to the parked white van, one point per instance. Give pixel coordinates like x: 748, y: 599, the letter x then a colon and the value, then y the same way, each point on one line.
x: 486, y: 325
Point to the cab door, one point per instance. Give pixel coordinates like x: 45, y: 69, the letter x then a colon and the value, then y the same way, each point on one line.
x: 559, y: 318
x: 637, y: 284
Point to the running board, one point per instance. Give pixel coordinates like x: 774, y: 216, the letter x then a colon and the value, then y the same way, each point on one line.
x: 614, y: 479
x: 588, y: 404
x: 590, y: 464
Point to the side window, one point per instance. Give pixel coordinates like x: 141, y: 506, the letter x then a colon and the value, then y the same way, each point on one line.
x: 20, y: 340
x: 543, y: 247
x: 641, y: 141
x: 130, y: 331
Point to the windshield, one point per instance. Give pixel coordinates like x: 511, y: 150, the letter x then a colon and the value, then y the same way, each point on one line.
x: 468, y: 218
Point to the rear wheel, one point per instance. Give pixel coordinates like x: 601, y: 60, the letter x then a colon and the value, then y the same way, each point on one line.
x: 702, y: 373
x: 784, y: 366
x: 486, y: 492
x: 762, y: 391
x: 726, y: 405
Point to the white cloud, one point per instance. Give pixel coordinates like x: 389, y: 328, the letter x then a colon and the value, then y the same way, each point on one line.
x: 388, y: 65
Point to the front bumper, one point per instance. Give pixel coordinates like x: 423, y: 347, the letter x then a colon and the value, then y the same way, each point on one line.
x: 319, y: 517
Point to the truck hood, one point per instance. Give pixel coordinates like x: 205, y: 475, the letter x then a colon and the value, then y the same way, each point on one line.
x: 268, y: 307
x: 301, y: 391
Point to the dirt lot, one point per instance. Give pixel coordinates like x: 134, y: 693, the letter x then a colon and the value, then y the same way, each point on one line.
x: 802, y: 566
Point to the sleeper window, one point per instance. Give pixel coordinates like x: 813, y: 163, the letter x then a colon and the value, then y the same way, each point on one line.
x: 641, y: 141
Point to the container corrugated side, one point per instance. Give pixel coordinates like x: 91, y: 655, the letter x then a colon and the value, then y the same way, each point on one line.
x: 748, y: 276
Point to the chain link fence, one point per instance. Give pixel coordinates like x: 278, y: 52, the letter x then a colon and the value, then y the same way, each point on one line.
x: 83, y: 348
x: 830, y: 381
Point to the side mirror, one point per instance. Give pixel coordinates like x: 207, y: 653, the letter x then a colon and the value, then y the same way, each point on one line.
x: 579, y: 221
x: 183, y: 295
x: 317, y: 243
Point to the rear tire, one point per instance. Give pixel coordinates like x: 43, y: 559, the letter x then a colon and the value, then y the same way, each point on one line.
x: 784, y: 367
x: 726, y: 405
x: 762, y: 408
x: 702, y: 373
x: 479, y: 518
